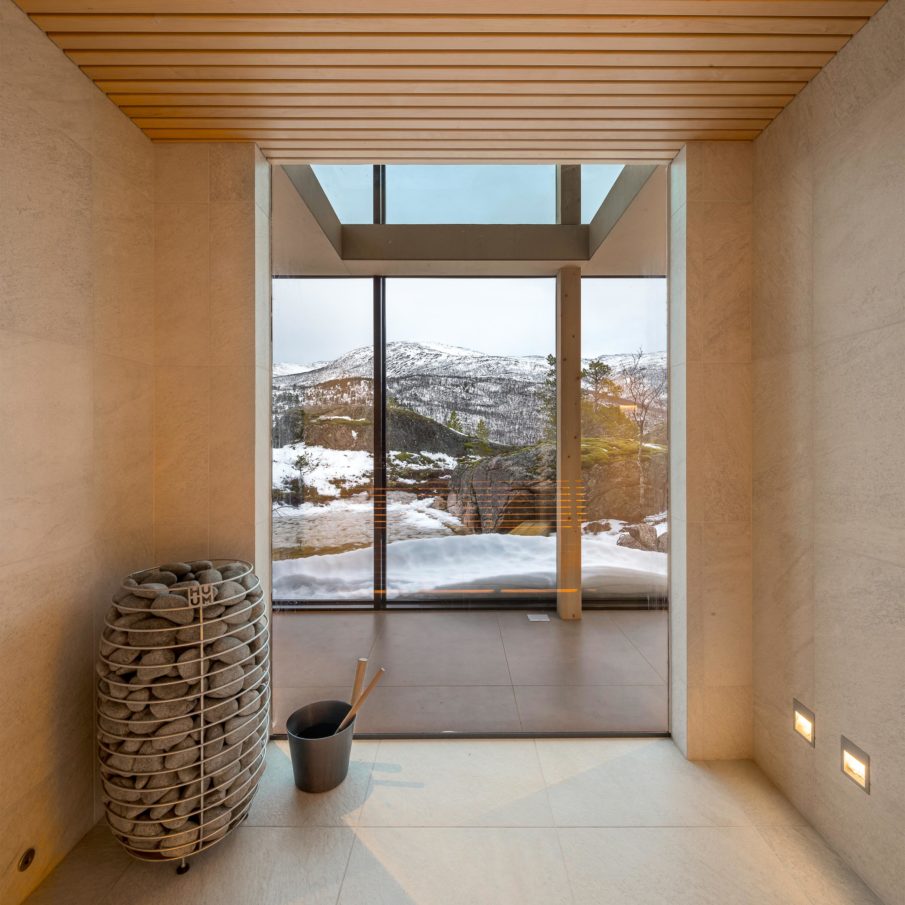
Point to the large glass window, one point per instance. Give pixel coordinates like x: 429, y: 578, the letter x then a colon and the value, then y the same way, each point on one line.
x: 596, y: 181
x: 624, y: 438
x: 470, y: 193
x: 323, y: 423
x: 471, y: 430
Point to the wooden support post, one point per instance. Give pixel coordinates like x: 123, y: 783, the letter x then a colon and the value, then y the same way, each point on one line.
x: 568, y: 194
x: 570, y: 492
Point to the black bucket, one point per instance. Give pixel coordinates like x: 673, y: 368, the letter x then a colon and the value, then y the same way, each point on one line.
x: 320, y: 756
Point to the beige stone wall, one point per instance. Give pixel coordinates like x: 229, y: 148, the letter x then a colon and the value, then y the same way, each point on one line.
x: 76, y: 409
x: 212, y: 352
x: 829, y: 446
x: 710, y: 274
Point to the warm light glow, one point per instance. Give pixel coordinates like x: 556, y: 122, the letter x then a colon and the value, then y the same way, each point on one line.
x: 804, y: 727
x: 854, y: 768
x: 804, y: 722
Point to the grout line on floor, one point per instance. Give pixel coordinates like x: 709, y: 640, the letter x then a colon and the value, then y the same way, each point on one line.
x: 641, y: 653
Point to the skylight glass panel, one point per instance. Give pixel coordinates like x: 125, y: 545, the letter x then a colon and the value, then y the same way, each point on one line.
x: 472, y: 193
x: 349, y: 189
x: 596, y: 181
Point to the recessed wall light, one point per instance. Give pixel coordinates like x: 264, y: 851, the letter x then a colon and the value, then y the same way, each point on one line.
x: 804, y: 722
x: 856, y: 764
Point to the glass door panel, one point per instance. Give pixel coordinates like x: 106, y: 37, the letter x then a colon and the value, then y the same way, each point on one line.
x: 323, y: 429
x: 471, y: 410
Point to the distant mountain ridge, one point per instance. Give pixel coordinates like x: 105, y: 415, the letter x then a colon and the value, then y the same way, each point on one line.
x: 434, y: 379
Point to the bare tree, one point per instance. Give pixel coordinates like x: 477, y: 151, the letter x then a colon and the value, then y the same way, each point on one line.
x: 644, y: 387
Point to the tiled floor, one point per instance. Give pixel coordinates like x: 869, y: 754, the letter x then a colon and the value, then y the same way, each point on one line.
x: 551, y: 822
x: 480, y: 671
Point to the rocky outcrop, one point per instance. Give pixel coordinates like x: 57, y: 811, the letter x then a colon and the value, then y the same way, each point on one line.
x: 638, y: 537
x: 500, y: 493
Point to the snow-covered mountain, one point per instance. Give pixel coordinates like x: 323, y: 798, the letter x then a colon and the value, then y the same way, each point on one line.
x: 435, y: 379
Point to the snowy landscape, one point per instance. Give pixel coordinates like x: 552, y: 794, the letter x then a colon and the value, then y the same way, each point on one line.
x: 471, y: 476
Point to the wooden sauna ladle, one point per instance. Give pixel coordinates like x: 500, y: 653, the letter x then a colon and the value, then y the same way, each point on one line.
x: 361, y: 699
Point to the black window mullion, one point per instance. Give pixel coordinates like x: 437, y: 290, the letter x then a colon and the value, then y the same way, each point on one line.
x: 380, y: 464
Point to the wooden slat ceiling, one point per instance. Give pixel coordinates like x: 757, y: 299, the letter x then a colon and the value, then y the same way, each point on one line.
x: 473, y: 80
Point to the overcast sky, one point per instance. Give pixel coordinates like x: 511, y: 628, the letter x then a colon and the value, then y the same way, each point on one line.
x: 318, y: 320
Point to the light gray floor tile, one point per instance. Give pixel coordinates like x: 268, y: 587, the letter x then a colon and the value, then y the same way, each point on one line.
x: 462, y: 783
x: 675, y: 866
x: 593, y: 708
x: 820, y: 873
x: 592, y: 651
x: 279, y: 803
x: 454, y: 866
x: 648, y: 630
x: 461, y: 648
x: 632, y: 782
x: 438, y: 709
x: 753, y: 792
x: 253, y: 866
x: 87, y: 873
x: 321, y: 648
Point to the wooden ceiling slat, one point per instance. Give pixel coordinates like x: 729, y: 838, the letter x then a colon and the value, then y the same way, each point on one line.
x: 442, y: 105
x: 863, y: 8
x: 538, y: 25
x: 453, y: 138
x: 482, y: 60
x: 564, y: 91
x: 315, y: 116
x: 368, y: 45
x: 688, y: 75
x: 486, y: 80
x: 535, y: 126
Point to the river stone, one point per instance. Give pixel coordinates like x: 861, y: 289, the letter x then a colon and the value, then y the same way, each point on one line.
x: 199, y: 565
x: 115, y: 689
x: 120, y: 762
x: 154, y: 664
x: 169, y: 710
x: 151, y: 632
x: 123, y: 656
x: 215, y: 822
x: 182, y: 755
x: 117, y: 730
x: 237, y: 614
x: 253, y: 677
x: 218, y: 712
x: 190, y: 665
x: 173, y: 822
x: 150, y: 589
x: 223, y: 776
x: 144, y: 722
x: 187, y: 774
x: 230, y: 592
x: 113, y: 709
x: 250, y: 756
x: 213, y: 611
x: 191, y: 634
x: 127, y: 620
x: 237, y: 728
x: 171, y: 734
x: 179, y: 842
x: 244, y: 634
x: 249, y: 581
x: 119, y: 823
x: 137, y: 699
x: 213, y: 741
x: 182, y: 585
x: 169, y: 691
x: 147, y: 760
x: 131, y: 746
x: 223, y: 683
x: 132, y: 604
x: 249, y: 702
x: 143, y: 833
x: 179, y: 569
x: 229, y: 650
x: 164, y: 805
x: 215, y: 796
x: 174, y: 608
x: 129, y: 811
x: 119, y: 788
x: 208, y: 576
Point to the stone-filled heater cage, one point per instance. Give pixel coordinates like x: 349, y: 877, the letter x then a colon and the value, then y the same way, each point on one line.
x: 183, y: 697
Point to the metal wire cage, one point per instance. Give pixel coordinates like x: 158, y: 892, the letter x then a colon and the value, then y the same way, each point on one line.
x: 183, y: 698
